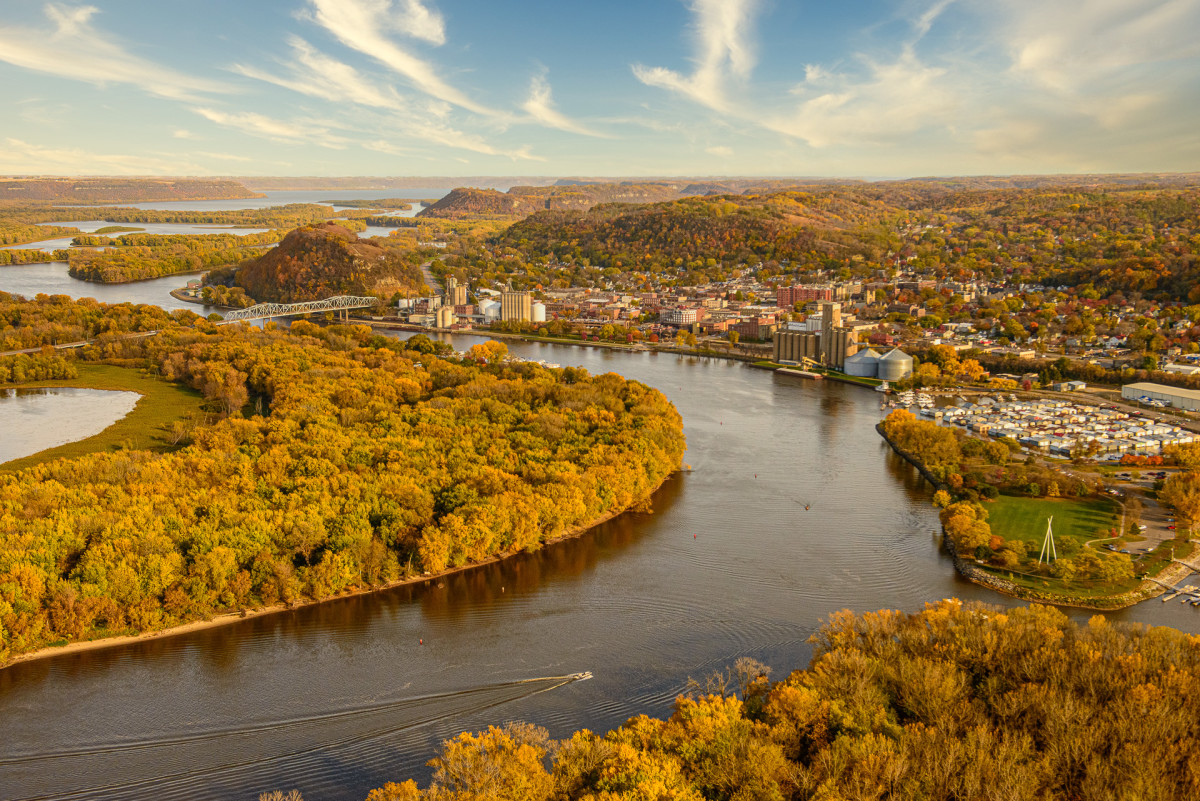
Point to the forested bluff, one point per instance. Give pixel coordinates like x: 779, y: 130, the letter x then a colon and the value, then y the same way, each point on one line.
x: 333, y: 459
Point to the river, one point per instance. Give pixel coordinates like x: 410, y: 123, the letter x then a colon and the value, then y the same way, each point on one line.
x: 338, y: 698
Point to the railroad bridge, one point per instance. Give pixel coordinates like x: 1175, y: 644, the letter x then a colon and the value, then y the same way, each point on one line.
x: 342, y: 303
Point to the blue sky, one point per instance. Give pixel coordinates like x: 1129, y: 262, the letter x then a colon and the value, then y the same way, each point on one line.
x: 866, y: 88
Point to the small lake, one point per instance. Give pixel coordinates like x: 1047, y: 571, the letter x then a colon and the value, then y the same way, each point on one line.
x: 33, y: 420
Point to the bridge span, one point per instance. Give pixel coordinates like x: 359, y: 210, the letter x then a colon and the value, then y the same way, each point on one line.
x: 341, y: 303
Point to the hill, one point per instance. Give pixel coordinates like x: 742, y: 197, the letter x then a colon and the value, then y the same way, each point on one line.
x: 119, y: 190
x: 320, y: 261
x: 521, y: 201
x: 693, y: 231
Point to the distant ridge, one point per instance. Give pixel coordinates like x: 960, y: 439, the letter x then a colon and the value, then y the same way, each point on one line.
x: 120, y: 190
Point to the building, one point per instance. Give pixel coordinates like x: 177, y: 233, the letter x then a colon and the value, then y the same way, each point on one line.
x: 895, y: 365
x: 456, y: 294
x: 864, y: 364
x: 793, y: 346
x: 789, y: 296
x: 446, y: 317
x: 1184, y: 369
x: 679, y: 317
x: 1178, y: 398
x: 516, y: 307
x: 839, y: 345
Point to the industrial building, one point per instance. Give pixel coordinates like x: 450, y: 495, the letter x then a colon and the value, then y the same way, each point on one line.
x: 456, y: 294
x: 895, y: 365
x: 864, y: 364
x: 516, y: 306
x: 1178, y: 398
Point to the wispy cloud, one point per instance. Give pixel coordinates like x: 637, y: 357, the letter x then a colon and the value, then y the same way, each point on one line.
x: 318, y: 75
x: 363, y: 25
x: 73, y: 48
x: 260, y: 125
x: 893, y: 99
x: 18, y: 156
x: 723, y: 49
x: 540, y: 106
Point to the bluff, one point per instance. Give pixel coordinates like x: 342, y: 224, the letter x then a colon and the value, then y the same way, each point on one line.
x: 119, y: 190
x: 521, y: 201
x: 320, y: 261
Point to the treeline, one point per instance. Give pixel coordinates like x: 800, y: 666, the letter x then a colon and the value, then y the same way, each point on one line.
x: 13, y: 232
x: 21, y: 256
x: 122, y: 265
x: 196, y: 241
x: 26, y: 367
x: 57, y: 319
x: 287, y: 216
x: 959, y: 701
x: 371, y: 460
x: 392, y: 203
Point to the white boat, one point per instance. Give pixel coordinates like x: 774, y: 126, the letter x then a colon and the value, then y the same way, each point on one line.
x: 882, y: 387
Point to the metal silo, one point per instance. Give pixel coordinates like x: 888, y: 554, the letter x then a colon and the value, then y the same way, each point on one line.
x: 895, y: 365
x: 864, y: 364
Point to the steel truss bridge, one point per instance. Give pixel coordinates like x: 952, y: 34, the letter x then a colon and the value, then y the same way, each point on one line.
x: 342, y: 303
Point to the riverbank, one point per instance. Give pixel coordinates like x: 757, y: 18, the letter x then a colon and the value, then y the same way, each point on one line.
x: 1146, y: 589
x: 637, y: 347
x: 229, y: 618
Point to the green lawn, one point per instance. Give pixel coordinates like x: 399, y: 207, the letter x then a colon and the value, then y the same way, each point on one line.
x: 1075, y: 521
x: 147, y: 427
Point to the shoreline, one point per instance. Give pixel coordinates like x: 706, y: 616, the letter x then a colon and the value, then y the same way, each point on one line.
x: 1146, y: 589
x: 228, y: 618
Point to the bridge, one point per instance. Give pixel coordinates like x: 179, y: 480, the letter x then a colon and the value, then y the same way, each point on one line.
x: 342, y: 303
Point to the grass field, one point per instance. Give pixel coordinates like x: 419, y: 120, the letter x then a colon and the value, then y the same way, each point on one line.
x: 1075, y: 521
x: 147, y: 427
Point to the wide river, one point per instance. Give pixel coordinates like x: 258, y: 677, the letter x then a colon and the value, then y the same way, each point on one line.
x: 338, y: 698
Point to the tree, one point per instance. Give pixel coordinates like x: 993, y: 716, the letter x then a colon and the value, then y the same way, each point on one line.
x: 1182, y: 492
x: 733, y: 337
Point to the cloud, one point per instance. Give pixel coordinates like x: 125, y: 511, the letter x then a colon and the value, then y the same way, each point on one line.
x: 23, y: 158
x: 722, y: 33
x: 892, y: 100
x: 255, y: 124
x: 316, y: 74
x: 719, y: 150
x: 362, y: 25
x: 74, y: 49
x: 1108, y: 59
x: 183, y: 133
x: 540, y: 106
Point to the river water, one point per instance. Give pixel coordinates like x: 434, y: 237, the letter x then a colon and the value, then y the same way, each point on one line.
x: 338, y: 698
x: 36, y: 419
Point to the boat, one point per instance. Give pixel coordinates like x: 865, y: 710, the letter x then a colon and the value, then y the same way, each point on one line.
x: 883, y: 387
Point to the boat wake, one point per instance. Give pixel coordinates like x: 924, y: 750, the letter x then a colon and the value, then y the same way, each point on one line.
x: 192, y: 764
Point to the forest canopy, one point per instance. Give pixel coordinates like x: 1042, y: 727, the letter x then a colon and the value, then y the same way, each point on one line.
x: 334, y: 459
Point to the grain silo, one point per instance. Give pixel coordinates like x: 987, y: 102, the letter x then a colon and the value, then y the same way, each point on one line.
x: 537, y: 313
x: 895, y: 365
x: 864, y: 364
x: 490, y: 310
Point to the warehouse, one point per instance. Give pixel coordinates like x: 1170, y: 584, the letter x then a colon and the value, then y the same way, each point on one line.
x: 1178, y: 398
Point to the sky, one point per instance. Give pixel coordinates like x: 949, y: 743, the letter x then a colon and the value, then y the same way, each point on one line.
x: 858, y: 88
